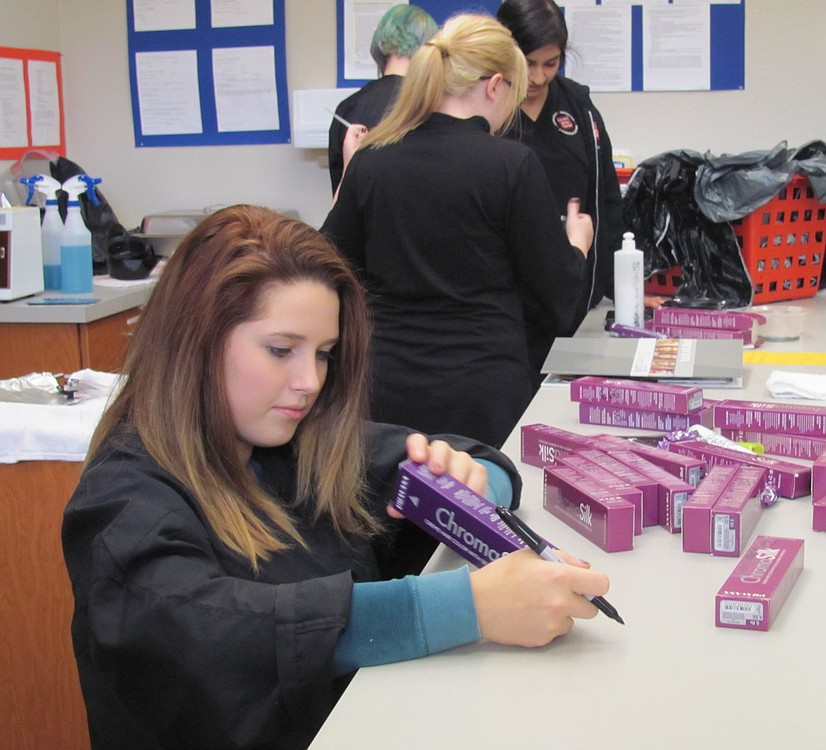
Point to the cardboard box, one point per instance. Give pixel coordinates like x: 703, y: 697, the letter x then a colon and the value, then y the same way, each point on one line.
x: 780, y: 443
x: 611, y: 481
x: 760, y: 583
x: 541, y: 444
x: 732, y: 320
x: 453, y: 513
x: 673, y: 493
x: 735, y: 515
x: 589, y: 508
x: 649, y: 487
x: 637, y: 394
x: 795, y: 419
x: 790, y: 480
x: 641, y: 419
x: 819, y: 494
x: 697, y: 528
x: 689, y: 469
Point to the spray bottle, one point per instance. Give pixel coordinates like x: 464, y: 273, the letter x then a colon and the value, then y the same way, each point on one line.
x: 629, y: 309
x: 50, y: 228
x: 76, y: 239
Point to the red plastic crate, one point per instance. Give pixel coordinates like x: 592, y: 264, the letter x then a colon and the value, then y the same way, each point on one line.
x: 782, y: 244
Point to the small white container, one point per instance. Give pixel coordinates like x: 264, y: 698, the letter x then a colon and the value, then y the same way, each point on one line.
x: 783, y: 322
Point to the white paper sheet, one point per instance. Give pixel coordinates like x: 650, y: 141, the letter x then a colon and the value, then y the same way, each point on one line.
x: 245, y: 90
x: 169, y: 100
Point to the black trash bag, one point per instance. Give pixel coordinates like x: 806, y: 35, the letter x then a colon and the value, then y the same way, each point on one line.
x: 811, y: 160
x: 731, y: 187
x: 670, y: 229
x: 100, y: 219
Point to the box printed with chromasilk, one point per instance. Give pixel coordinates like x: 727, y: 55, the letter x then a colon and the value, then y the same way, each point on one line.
x: 697, y: 530
x: 819, y: 494
x: 453, y: 513
x: 637, y: 394
x: 644, y: 419
x: 771, y: 416
x: 791, y: 480
x: 589, y: 508
x: 759, y: 584
x: 735, y: 515
x: 542, y: 443
x: 687, y: 468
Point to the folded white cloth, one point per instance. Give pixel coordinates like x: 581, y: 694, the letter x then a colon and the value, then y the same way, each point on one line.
x: 782, y: 384
x: 45, y: 432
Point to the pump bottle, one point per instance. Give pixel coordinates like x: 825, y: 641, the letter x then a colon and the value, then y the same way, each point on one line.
x: 629, y: 306
x: 76, y: 239
x: 51, y: 227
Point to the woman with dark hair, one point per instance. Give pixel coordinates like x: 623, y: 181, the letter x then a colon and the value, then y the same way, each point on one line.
x: 451, y: 232
x: 560, y: 123
x: 400, y: 32
x: 228, y: 545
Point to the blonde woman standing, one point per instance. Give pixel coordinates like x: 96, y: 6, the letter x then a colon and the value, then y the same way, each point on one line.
x: 449, y: 230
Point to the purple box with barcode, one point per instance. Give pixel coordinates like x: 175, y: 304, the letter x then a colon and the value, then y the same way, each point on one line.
x: 697, y: 511
x: 687, y: 468
x: 453, y: 514
x: 643, y: 419
x: 541, y: 444
x: 673, y: 493
x: 700, y: 318
x: 637, y: 394
x: 611, y: 481
x: 790, y: 480
x: 735, y: 515
x: 760, y: 583
x: 589, y: 508
x: 771, y: 416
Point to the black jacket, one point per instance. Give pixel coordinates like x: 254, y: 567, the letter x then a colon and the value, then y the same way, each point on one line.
x: 178, y: 644
x: 588, y: 153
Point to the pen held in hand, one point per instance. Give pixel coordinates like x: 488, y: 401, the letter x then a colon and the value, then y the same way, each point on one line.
x: 541, y: 547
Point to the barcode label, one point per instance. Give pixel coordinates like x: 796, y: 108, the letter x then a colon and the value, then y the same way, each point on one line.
x: 741, y: 613
x: 724, y: 536
x: 5, y: 220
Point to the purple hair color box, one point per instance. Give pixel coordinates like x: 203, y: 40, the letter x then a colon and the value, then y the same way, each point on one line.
x: 771, y: 416
x: 735, y: 515
x: 697, y: 511
x: 636, y: 394
x: 589, y: 508
x: 819, y: 494
x: 453, y: 514
x: 542, y: 444
x: 791, y: 480
x: 780, y: 443
x: 672, y: 493
x: 649, y: 488
x: 701, y: 318
x: 614, y: 483
x: 642, y: 419
x: 687, y: 468
x: 700, y: 332
x: 758, y: 586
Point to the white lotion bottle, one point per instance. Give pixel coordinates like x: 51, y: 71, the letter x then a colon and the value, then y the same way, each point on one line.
x: 629, y: 308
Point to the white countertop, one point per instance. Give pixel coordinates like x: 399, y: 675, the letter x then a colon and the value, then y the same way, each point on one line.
x: 112, y: 300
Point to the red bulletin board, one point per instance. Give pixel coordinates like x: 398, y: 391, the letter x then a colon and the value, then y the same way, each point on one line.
x: 8, y: 111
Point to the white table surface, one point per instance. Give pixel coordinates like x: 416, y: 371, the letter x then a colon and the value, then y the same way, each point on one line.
x: 668, y: 679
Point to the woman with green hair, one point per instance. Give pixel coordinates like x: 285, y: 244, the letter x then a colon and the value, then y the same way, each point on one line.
x: 400, y: 32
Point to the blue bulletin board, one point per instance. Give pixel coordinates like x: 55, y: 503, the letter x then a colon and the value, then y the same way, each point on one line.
x: 726, y: 43
x: 206, y: 74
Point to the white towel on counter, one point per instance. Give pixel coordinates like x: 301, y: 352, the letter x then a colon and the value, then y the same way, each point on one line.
x: 782, y: 384
x: 46, y: 432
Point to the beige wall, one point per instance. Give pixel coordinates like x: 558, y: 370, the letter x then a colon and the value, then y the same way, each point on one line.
x: 783, y: 100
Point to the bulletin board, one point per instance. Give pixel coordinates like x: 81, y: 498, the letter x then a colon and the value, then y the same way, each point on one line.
x: 724, y: 45
x: 208, y: 72
x: 31, y: 103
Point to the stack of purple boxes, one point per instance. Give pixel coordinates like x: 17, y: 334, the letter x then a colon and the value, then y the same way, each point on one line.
x: 642, y: 405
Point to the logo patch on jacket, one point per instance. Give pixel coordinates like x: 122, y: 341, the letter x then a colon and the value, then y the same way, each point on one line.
x: 565, y: 123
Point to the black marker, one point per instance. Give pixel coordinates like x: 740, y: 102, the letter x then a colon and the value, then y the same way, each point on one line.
x: 540, y: 546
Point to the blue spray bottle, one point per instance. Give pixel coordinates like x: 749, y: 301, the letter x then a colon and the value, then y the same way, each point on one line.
x: 76, y: 239
x: 50, y: 228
